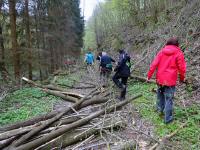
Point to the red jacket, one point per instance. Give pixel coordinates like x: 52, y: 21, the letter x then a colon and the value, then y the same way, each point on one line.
x: 168, y: 62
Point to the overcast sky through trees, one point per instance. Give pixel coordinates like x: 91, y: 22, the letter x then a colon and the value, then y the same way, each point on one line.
x: 88, y: 7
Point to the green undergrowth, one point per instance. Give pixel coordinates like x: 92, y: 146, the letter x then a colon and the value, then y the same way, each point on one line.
x: 68, y: 80
x: 24, y: 104
x: 188, y: 136
x: 28, y: 102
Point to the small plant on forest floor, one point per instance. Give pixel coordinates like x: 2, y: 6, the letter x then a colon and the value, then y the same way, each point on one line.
x: 146, y: 107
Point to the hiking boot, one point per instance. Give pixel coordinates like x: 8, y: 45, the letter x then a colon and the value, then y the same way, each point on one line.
x: 170, y: 121
x: 123, y: 88
x: 161, y: 114
x: 120, y: 98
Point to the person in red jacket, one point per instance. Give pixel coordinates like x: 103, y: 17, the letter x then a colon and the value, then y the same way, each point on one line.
x: 169, y: 62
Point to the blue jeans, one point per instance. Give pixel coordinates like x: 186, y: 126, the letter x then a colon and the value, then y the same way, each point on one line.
x: 165, y: 95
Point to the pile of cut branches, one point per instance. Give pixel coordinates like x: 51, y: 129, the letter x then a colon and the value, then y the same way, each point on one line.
x: 89, y: 116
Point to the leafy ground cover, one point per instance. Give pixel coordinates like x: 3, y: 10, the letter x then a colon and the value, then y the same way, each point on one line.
x: 25, y: 103
x: 188, y: 137
x: 69, y: 80
x: 28, y: 102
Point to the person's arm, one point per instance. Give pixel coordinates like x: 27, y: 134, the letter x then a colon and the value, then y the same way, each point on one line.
x: 181, y: 66
x: 120, y: 63
x: 98, y: 58
x: 85, y: 58
x: 153, y: 66
x: 112, y: 59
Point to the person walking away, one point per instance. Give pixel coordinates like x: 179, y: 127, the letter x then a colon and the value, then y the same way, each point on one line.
x: 98, y: 58
x: 168, y: 63
x: 105, y: 68
x: 89, y: 58
x: 122, y: 72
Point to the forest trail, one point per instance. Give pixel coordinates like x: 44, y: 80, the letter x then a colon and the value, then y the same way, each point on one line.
x: 135, y: 125
x: 132, y: 126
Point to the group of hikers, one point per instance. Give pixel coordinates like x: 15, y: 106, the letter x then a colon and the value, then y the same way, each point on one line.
x: 168, y: 64
x: 122, y: 69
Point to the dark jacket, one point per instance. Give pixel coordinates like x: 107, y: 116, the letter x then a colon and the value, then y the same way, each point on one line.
x: 122, y: 68
x: 105, y: 60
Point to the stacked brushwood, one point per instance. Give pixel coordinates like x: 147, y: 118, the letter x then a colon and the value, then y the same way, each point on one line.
x: 87, y: 117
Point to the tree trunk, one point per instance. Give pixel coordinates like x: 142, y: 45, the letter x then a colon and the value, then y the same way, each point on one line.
x: 16, y: 54
x: 28, y: 39
x: 71, y: 138
x: 2, y: 50
x: 63, y: 96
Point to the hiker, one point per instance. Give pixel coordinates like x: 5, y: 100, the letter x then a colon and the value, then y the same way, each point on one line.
x: 105, y: 67
x: 89, y: 58
x: 168, y: 63
x: 122, y: 72
x: 98, y: 58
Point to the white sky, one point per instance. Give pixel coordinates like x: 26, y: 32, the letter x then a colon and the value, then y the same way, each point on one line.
x: 88, y: 7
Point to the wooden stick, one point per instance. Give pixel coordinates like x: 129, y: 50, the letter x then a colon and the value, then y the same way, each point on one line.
x: 142, y: 79
x: 63, y: 96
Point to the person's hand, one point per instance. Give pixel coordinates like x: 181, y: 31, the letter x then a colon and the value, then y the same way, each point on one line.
x: 147, y: 80
x: 184, y: 81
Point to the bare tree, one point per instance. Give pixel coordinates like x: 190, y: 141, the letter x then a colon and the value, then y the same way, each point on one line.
x: 28, y: 39
x: 2, y: 51
x: 16, y: 54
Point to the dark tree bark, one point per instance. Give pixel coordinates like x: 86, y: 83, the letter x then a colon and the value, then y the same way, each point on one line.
x: 16, y: 54
x: 28, y: 39
x: 2, y: 51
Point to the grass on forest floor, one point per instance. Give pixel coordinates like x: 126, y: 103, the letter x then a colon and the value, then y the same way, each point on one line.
x: 67, y: 80
x: 189, y: 136
x: 24, y: 104
x: 28, y: 102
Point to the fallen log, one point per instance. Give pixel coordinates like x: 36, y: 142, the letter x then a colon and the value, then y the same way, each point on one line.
x: 142, y: 79
x: 51, y: 87
x: 29, y: 122
x: 20, y: 131
x: 32, y: 82
x: 83, y: 87
x: 23, y: 130
x: 54, y: 134
x: 47, y: 116
x: 76, y: 95
x: 56, y: 88
x: 7, y: 142
x: 48, y: 122
x: 63, y: 96
x: 71, y: 138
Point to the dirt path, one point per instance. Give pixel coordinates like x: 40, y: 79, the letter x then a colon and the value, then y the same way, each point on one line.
x: 137, y: 129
